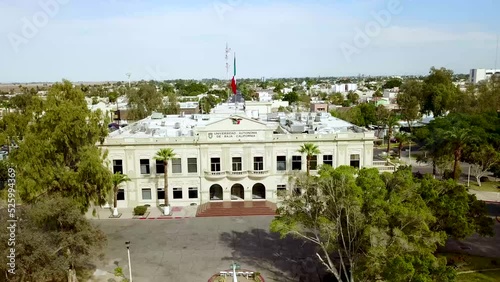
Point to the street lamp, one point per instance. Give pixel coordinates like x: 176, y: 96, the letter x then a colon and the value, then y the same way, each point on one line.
x: 234, y: 266
x: 129, y: 263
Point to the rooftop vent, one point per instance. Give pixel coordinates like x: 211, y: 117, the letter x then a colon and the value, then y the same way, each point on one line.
x: 177, y: 125
x: 157, y: 116
x: 205, y: 117
x: 163, y: 123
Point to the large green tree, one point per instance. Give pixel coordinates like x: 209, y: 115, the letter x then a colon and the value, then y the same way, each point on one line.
x: 408, y: 103
x: 144, y: 101
x: 367, y: 226
x: 52, y: 237
x: 439, y: 92
x: 458, y: 213
x: 58, y: 152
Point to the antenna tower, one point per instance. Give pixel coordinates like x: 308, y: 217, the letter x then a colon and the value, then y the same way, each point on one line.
x: 496, y: 56
x: 128, y: 76
x: 228, y: 50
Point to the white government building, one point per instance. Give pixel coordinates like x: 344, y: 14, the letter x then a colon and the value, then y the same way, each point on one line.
x: 232, y: 154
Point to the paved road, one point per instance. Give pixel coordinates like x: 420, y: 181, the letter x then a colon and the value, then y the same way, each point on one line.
x: 196, y: 248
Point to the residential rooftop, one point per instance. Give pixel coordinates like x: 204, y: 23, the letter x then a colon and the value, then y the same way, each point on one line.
x: 159, y: 125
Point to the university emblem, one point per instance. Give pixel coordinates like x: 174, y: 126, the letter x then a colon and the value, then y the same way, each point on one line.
x: 236, y: 120
x: 210, y: 135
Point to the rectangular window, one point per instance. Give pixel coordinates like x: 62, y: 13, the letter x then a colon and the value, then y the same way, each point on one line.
x: 328, y: 160
x: 118, y: 166
x: 314, y: 163
x: 144, y: 166
x: 281, y: 163
x: 237, y: 164
x: 214, y: 164
x: 355, y: 160
x: 160, y: 167
x: 258, y: 163
x: 192, y: 165
x: 177, y: 193
x: 121, y: 195
x: 296, y: 162
x: 160, y: 194
x: 146, y: 193
x: 176, y: 166
x: 193, y: 192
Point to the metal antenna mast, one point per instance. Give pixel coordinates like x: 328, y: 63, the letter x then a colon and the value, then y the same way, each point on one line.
x: 228, y: 50
x: 128, y: 76
x: 496, y: 56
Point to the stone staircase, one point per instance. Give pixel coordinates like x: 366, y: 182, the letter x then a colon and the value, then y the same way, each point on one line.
x: 240, y: 208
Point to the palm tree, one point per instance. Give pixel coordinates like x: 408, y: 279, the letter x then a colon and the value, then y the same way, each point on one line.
x: 456, y: 139
x: 118, y: 178
x: 165, y: 155
x: 402, y: 138
x: 390, y: 123
x: 310, y: 150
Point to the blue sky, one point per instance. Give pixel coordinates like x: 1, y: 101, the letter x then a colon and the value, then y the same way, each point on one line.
x: 96, y: 40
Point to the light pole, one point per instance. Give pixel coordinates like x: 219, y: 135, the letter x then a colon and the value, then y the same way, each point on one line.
x: 129, y: 263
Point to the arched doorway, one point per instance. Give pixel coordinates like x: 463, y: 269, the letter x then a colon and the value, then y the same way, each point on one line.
x: 237, y: 192
x: 258, y: 191
x: 215, y: 192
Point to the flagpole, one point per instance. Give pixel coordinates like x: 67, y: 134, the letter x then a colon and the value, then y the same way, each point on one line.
x: 234, y: 77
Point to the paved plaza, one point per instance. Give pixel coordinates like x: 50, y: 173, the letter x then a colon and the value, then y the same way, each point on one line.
x: 193, y: 249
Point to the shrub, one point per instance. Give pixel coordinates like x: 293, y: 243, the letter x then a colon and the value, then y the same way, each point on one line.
x: 378, y: 142
x: 140, y: 210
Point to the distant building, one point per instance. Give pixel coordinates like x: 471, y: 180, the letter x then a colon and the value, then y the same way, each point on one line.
x: 391, y: 93
x: 344, y: 88
x: 319, y: 107
x: 478, y: 75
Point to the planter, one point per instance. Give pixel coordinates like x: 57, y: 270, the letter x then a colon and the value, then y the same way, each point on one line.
x: 243, y: 276
x: 115, y: 211
x: 165, y: 209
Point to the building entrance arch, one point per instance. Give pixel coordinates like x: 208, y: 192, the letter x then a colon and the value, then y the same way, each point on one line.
x: 237, y: 192
x: 259, y: 191
x: 216, y: 192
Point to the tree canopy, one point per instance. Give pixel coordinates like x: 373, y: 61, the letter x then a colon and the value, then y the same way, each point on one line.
x: 379, y: 226
x: 58, y: 154
x: 50, y: 241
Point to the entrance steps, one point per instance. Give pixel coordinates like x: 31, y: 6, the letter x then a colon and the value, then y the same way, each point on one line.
x: 240, y: 208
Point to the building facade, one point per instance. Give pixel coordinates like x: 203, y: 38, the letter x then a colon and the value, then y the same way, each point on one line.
x: 478, y: 75
x: 228, y: 157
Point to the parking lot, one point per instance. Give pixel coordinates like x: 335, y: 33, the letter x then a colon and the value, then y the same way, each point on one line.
x: 193, y: 249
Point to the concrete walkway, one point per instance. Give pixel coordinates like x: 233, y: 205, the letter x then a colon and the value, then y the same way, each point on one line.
x: 151, y: 213
x: 486, y: 196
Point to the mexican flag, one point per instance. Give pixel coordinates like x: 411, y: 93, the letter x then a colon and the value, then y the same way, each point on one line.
x: 233, y: 81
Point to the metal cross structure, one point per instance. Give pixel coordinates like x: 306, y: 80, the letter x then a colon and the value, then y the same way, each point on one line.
x: 234, y: 266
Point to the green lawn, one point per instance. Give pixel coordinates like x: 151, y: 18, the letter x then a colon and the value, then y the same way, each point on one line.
x: 491, y: 186
x: 467, y: 263
x: 489, y: 276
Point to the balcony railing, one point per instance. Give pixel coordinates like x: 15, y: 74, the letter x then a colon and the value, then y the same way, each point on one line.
x: 236, y: 174
x: 258, y: 173
x: 215, y: 174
